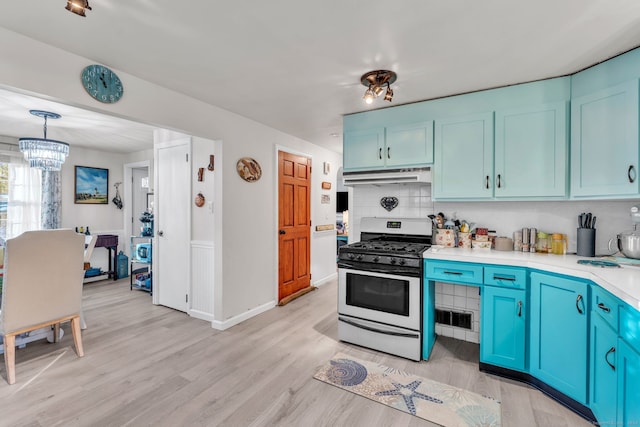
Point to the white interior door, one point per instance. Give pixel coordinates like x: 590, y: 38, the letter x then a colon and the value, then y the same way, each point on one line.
x: 138, y: 197
x: 171, y: 274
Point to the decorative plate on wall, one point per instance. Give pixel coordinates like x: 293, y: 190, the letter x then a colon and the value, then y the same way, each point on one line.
x: 249, y: 169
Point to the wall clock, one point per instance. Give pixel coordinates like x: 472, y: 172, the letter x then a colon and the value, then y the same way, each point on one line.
x: 102, y: 83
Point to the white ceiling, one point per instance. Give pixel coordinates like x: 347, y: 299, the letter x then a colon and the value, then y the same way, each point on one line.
x: 296, y: 65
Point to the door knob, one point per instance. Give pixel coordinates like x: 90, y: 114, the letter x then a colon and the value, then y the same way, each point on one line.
x: 160, y: 233
x: 283, y: 232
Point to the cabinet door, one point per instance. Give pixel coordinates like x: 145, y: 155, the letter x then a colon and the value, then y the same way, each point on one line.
x: 628, y: 385
x: 409, y: 145
x: 531, y: 148
x: 362, y: 150
x: 559, y: 332
x: 463, y: 164
x: 604, y: 143
x: 502, y: 328
x: 603, y: 379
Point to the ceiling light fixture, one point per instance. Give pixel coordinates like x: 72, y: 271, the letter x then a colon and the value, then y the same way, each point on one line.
x: 43, y: 153
x: 375, y: 82
x: 78, y: 6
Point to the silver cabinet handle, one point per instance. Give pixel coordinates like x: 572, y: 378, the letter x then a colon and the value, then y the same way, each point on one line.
x: 380, y: 153
x: 160, y: 233
x: 632, y: 178
x: 388, y: 152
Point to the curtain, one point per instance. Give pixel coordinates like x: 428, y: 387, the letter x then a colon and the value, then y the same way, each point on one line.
x: 51, y: 200
x: 23, y: 201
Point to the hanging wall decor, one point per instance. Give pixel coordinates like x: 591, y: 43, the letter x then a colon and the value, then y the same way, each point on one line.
x: 117, y: 200
x: 199, y: 200
x: 200, y: 174
x: 249, y: 169
x: 389, y: 203
x: 210, y: 167
x: 91, y: 185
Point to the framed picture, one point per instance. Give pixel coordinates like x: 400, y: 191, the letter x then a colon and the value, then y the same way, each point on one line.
x: 91, y: 185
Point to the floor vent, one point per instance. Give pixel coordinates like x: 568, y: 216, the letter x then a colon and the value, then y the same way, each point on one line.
x: 453, y: 318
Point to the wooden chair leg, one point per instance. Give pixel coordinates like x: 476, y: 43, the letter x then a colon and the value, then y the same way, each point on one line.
x: 10, y: 357
x: 77, y: 335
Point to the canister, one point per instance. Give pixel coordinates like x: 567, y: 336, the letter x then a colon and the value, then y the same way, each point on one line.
x: 517, y: 240
x: 557, y: 244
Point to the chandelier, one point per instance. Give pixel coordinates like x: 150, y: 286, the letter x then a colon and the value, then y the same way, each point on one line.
x: 375, y: 81
x: 43, y: 153
x: 78, y: 6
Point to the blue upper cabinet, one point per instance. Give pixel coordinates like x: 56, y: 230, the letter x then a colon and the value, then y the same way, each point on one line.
x: 463, y: 164
x: 604, y: 143
x: 383, y: 139
x: 531, y: 146
x: 409, y: 145
x: 362, y: 149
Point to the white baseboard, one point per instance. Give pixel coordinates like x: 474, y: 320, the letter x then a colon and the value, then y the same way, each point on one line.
x: 326, y: 280
x: 221, y: 326
x: 201, y: 315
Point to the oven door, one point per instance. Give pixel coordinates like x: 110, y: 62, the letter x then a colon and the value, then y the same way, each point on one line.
x: 380, y: 297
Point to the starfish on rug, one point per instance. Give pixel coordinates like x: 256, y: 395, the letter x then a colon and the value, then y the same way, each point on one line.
x: 408, y: 393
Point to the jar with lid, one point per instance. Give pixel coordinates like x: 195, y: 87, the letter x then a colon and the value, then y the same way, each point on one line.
x: 543, y: 244
x: 558, y: 244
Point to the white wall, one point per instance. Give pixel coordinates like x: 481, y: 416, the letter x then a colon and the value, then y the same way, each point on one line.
x: 503, y: 217
x: 248, y: 209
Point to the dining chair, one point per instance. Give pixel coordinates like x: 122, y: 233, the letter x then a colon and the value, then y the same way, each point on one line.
x: 43, y: 273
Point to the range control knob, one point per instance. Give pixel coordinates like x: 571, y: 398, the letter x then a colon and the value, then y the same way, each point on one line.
x: 376, y: 258
x: 401, y: 261
x: 359, y: 257
x: 351, y: 256
x: 392, y: 260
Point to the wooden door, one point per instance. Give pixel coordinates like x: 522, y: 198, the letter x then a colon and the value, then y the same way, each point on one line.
x: 294, y: 222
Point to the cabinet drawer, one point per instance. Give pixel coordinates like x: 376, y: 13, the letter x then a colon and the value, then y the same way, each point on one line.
x: 509, y: 277
x: 606, y: 305
x: 456, y: 272
x: 630, y: 326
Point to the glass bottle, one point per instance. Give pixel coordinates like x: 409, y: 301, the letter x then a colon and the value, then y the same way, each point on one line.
x: 542, y: 245
x: 557, y: 244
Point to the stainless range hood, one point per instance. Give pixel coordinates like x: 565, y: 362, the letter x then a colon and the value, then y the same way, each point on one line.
x: 390, y: 176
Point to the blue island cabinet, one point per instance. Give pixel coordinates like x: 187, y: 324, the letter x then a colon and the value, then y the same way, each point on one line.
x: 603, y: 376
x: 503, y: 327
x: 559, y: 333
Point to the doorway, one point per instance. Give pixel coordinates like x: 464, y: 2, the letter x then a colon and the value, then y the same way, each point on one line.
x: 294, y: 223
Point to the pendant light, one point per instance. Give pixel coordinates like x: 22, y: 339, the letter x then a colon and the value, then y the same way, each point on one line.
x: 78, y: 6
x: 375, y: 82
x: 43, y: 153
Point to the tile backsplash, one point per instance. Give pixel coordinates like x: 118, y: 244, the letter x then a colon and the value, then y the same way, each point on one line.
x: 414, y: 201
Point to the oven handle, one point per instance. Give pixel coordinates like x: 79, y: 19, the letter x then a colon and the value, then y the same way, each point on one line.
x: 368, y: 328
x: 397, y: 271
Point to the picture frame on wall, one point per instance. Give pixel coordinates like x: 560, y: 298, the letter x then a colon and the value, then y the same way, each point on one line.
x: 91, y: 186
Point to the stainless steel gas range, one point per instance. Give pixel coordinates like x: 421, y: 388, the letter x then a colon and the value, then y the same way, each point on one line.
x: 380, y: 286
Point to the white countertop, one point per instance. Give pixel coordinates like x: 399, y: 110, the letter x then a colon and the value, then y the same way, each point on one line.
x: 623, y: 282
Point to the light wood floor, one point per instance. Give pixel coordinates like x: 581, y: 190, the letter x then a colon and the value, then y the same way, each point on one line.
x: 149, y: 365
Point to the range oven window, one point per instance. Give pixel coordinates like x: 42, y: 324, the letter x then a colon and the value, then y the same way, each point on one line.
x: 378, y: 293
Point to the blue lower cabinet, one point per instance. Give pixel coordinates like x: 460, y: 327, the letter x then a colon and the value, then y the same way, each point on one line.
x: 559, y: 332
x: 603, y: 378
x: 503, y: 327
x: 628, y: 385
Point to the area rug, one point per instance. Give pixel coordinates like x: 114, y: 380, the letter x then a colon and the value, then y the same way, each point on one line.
x: 433, y: 401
